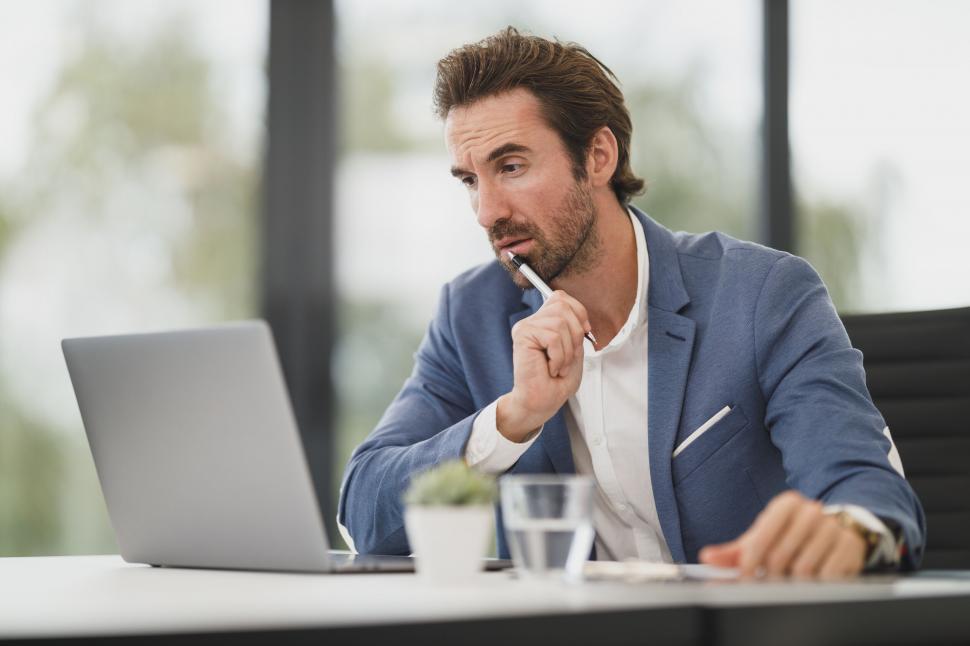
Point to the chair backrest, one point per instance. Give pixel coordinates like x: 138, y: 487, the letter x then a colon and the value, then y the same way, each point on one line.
x: 918, y: 370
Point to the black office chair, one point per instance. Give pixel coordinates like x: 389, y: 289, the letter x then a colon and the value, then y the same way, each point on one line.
x: 918, y: 371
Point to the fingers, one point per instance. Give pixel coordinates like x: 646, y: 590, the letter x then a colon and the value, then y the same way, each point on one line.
x: 557, y: 330
x: 847, y: 559
x: 792, y: 536
x: 547, y: 363
x: 817, y: 548
x: 550, y: 338
x: 768, y: 528
x: 558, y: 347
x: 582, y: 316
x: 575, y: 323
x: 569, y: 310
x: 803, y: 522
x: 723, y: 555
x: 561, y: 337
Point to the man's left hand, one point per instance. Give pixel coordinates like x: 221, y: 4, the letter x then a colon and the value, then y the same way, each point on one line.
x: 792, y: 537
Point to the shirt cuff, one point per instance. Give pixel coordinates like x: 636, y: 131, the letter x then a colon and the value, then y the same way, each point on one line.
x: 885, y: 552
x: 488, y: 450
x: 345, y: 534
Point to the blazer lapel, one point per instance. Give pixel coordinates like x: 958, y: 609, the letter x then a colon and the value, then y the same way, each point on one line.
x: 670, y: 346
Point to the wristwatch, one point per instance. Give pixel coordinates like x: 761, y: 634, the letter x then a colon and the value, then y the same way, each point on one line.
x: 870, y: 537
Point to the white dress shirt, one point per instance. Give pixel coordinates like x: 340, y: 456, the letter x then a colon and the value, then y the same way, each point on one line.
x: 607, y: 424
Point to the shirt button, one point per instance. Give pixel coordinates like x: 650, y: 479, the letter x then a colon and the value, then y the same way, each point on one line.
x: 597, y: 440
x: 621, y: 507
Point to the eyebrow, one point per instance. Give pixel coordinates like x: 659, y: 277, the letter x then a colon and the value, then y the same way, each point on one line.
x: 498, y: 153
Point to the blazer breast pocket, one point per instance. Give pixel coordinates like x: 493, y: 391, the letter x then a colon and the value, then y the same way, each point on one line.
x: 698, y: 449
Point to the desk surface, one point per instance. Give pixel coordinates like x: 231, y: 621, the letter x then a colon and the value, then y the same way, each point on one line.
x: 56, y: 597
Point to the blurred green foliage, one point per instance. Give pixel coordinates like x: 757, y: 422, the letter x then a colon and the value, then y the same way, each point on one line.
x: 831, y: 236
x: 698, y: 179
x: 119, y: 110
x: 31, y: 471
x: 367, y: 92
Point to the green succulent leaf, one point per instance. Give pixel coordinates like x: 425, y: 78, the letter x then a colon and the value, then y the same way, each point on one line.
x: 451, y: 483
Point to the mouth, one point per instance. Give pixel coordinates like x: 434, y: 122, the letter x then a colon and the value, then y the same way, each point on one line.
x: 518, y: 246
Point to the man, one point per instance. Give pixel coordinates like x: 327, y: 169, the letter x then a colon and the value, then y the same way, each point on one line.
x: 722, y: 413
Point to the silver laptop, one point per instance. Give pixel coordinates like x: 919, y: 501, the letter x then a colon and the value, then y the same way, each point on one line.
x: 198, y: 453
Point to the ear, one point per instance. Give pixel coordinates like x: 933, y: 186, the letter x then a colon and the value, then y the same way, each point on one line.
x: 601, y: 157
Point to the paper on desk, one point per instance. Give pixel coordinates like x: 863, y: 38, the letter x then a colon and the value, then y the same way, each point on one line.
x: 701, y: 572
x: 636, y: 571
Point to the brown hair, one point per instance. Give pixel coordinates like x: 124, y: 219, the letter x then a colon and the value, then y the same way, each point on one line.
x: 578, y: 94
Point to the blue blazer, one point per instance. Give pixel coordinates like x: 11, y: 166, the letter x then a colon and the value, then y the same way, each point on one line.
x: 729, y: 323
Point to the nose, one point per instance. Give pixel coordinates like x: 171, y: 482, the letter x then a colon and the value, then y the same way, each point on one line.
x: 491, y: 204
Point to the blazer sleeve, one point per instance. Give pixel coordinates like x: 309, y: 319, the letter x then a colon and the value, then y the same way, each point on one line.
x: 818, y: 408
x: 428, y: 422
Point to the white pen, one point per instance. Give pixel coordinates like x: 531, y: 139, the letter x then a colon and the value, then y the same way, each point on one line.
x: 539, y: 284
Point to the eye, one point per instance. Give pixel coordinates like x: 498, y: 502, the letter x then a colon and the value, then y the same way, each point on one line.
x: 467, y: 180
x: 511, y: 167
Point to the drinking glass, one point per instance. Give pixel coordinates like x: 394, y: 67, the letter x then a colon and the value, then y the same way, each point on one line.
x: 548, y: 521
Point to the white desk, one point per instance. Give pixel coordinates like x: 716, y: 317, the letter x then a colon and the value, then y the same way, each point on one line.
x: 100, y: 596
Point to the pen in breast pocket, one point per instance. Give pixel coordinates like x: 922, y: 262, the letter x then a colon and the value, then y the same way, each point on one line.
x: 539, y: 284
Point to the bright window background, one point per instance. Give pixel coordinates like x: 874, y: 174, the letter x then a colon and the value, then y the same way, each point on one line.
x: 880, y: 118
x: 132, y: 133
x: 690, y: 71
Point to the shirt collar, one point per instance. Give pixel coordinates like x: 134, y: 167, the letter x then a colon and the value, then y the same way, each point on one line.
x: 638, y: 313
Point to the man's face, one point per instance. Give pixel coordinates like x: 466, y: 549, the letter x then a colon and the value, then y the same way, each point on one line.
x: 522, y: 185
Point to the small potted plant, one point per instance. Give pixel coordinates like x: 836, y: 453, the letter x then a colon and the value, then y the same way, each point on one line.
x: 448, y: 518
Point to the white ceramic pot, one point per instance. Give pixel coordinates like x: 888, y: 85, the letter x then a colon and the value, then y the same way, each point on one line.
x: 449, y: 543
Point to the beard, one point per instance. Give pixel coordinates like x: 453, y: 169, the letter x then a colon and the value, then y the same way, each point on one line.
x: 570, y: 249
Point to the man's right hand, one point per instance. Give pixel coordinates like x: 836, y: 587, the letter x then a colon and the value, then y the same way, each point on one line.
x: 547, y: 359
